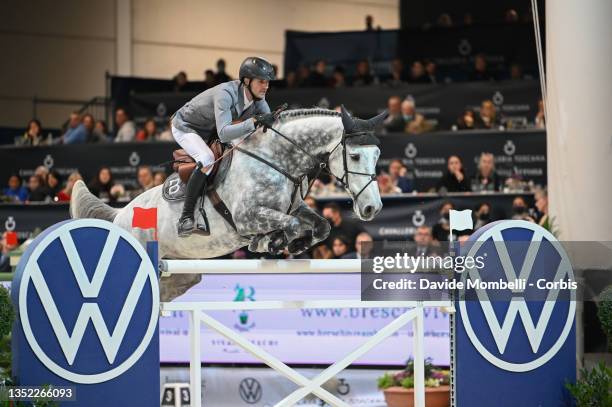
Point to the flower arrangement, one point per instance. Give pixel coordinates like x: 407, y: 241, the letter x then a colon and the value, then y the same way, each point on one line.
x: 434, y: 377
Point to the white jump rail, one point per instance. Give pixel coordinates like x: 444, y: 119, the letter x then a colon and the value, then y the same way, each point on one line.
x: 197, y: 316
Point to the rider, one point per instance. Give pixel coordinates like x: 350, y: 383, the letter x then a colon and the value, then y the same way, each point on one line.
x: 230, y: 110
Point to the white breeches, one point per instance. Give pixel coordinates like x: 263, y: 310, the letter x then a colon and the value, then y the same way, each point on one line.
x: 193, y: 144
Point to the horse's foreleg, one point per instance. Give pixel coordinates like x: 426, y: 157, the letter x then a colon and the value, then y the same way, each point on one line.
x: 280, y: 227
x: 318, y: 228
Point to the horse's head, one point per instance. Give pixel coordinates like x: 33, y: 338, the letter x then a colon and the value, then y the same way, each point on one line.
x: 354, y: 161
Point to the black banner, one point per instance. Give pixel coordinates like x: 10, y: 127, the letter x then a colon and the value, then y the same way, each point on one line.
x: 516, y: 152
x: 516, y: 101
x: 397, y: 221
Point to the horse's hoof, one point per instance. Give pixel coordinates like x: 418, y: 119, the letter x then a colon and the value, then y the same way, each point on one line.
x: 299, y: 246
x: 277, y: 243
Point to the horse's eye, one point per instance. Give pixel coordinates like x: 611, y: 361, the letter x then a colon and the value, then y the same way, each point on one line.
x: 355, y: 156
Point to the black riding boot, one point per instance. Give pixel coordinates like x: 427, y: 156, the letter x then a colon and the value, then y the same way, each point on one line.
x: 195, y: 186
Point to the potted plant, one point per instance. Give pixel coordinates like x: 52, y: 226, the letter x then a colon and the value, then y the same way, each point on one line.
x: 399, y: 386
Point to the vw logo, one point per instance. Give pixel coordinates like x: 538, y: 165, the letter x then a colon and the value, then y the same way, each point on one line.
x: 464, y: 47
x: 509, y: 147
x: 10, y: 224
x: 410, y: 150
x: 418, y: 218
x: 505, y: 334
x: 250, y: 390
x: 134, y: 159
x: 81, y: 285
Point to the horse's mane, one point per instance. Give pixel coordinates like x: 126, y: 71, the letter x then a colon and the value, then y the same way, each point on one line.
x: 290, y: 115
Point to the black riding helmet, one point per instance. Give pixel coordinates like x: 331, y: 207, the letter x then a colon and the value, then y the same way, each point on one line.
x: 256, y: 68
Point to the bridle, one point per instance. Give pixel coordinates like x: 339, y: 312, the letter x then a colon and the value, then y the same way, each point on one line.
x: 320, y: 164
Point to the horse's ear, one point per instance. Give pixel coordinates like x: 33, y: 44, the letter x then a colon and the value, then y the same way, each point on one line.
x: 347, y: 120
x: 377, y: 120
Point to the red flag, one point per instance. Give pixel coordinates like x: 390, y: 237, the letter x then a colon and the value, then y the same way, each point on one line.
x: 145, y: 218
x: 11, y: 238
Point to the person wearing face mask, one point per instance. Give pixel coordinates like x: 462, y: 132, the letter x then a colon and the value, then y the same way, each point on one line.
x: 482, y: 215
x: 415, y: 123
x: 520, y: 210
x: 454, y: 180
x: 340, y: 226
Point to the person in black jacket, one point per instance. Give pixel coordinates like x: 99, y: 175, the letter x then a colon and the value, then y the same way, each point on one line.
x: 454, y: 180
x: 486, y: 178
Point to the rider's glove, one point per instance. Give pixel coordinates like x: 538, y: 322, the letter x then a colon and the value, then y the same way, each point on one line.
x: 265, y: 119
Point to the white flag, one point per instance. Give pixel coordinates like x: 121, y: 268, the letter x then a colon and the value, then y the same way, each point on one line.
x: 461, y: 220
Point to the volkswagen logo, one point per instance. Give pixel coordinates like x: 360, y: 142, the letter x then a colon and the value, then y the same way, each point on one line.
x: 499, y: 317
x: 109, y: 278
x: 250, y: 390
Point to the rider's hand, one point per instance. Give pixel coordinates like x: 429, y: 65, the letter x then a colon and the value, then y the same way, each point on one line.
x: 265, y: 119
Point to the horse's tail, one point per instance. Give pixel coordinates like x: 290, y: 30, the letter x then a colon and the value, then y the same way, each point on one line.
x: 84, y: 204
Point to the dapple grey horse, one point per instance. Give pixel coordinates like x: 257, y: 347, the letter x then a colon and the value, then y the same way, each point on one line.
x: 258, y: 196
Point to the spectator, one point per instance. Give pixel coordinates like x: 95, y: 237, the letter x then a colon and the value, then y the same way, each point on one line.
x: 467, y: 120
x: 481, y: 71
x: 317, y: 77
x: 397, y: 173
x: 385, y: 186
x: 166, y: 135
x: 511, y: 16
x: 148, y: 132
x: 159, y: 178
x: 486, y: 179
x: 338, y: 77
x: 541, y: 203
x: 54, y: 185
x: 42, y: 172
x: 291, y: 80
x: 340, y: 246
x: 520, y: 211
x: 209, y: 78
x: 145, y: 180
x: 398, y: 75
x: 180, y: 82
x: 454, y: 179
x: 445, y: 21
x: 394, y: 122
x: 302, y: 75
x: 431, y: 72
x: 89, y: 123
x: 100, y: 132
x: 363, y: 247
x: 36, y: 189
x: 221, y: 76
x: 417, y: 73
x: 339, y: 225
x: 311, y: 203
x: 15, y: 191
x: 516, y: 72
x: 369, y: 21
x: 482, y: 215
x: 423, y: 240
x: 441, y: 229
x: 487, y: 117
x: 363, y: 76
x: 104, y: 187
x: 76, y: 133
x: 64, y: 194
x: 540, y: 119
x: 127, y: 129
x: 415, y: 123
x: 33, y: 135
x: 468, y: 19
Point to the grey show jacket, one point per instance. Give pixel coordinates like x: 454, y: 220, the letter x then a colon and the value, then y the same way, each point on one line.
x: 218, y: 107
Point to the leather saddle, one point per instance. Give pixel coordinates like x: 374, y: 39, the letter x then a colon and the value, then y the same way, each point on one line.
x: 174, y: 188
